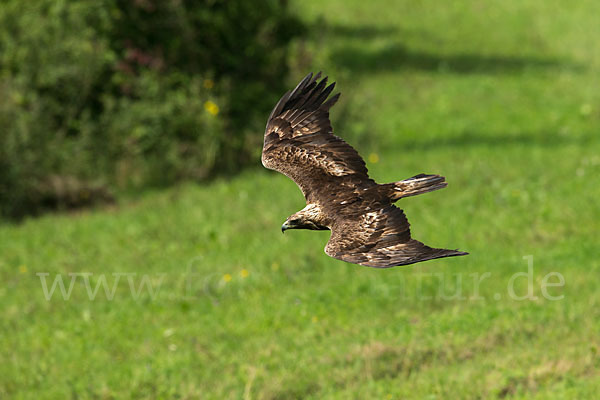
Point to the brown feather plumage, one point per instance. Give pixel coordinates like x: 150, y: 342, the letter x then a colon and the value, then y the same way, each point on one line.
x: 366, y: 227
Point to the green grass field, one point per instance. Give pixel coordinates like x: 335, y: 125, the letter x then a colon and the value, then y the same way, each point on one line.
x: 501, y: 97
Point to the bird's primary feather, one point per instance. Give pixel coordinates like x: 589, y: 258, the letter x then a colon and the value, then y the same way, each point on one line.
x: 366, y: 227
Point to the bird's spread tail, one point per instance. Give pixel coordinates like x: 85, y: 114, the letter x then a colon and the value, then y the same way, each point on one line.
x: 418, y: 184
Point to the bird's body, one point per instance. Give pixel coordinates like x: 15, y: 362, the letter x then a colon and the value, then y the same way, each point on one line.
x: 366, y: 227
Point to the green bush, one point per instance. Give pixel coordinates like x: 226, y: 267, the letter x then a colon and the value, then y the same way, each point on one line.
x: 133, y: 93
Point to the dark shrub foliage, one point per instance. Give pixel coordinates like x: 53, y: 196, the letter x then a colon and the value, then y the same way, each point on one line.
x: 133, y: 93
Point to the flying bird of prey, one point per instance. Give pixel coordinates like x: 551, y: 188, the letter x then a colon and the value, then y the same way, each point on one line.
x: 366, y: 227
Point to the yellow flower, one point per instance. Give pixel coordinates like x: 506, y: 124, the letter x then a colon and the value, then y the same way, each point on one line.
x: 315, y: 319
x: 211, y: 107
x: 244, y: 273
x: 227, y: 277
x: 275, y: 266
x: 23, y: 269
x: 208, y: 84
x: 373, y: 158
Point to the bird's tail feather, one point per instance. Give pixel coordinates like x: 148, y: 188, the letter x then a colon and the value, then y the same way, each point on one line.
x: 418, y: 184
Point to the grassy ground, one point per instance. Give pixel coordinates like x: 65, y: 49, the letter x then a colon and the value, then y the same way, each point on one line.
x: 501, y: 97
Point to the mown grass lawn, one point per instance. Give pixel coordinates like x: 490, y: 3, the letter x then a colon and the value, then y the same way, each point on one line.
x: 500, y: 97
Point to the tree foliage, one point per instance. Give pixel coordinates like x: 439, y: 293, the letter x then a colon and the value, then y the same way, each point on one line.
x: 133, y: 93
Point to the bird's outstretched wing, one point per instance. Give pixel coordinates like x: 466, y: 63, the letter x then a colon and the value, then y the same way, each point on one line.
x: 380, y: 238
x: 299, y: 142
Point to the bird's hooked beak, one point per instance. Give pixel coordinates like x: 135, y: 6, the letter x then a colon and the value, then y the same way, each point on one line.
x: 290, y: 223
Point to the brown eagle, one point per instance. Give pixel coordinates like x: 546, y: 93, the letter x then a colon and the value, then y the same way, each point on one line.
x: 367, y: 229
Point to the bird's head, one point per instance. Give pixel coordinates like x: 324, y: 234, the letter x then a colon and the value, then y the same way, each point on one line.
x: 307, y: 218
